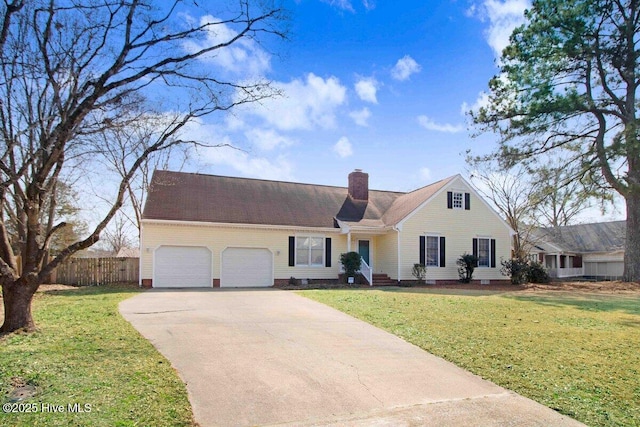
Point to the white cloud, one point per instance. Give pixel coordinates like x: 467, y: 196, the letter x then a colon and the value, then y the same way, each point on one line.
x: 340, y: 4
x: 343, y: 147
x: 247, y: 164
x: 258, y: 167
x: 425, y: 174
x: 369, y: 4
x: 361, y: 117
x: 429, y: 124
x: 367, y: 88
x: 404, y: 68
x: 347, y: 5
x: 481, y: 101
x: 244, y: 56
x: 307, y: 104
x: 267, y: 139
x: 504, y: 17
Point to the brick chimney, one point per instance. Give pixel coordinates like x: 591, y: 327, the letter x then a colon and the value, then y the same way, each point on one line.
x: 359, y: 185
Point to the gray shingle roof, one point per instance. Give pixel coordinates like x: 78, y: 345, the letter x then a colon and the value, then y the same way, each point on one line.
x: 582, y: 238
x: 210, y: 198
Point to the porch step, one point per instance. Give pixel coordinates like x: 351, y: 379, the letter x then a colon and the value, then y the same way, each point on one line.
x: 383, y: 280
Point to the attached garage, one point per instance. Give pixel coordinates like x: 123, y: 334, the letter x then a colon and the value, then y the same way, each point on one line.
x: 246, y: 267
x: 182, y: 267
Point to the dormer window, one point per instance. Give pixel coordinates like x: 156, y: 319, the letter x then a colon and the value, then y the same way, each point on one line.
x: 458, y: 200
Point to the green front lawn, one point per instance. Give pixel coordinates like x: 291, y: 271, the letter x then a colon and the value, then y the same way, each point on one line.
x: 85, y: 353
x: 577, y: 354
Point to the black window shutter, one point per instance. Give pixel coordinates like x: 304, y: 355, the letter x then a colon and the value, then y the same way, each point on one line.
x: 442, y: 251
x: 327, y: 252
x: 423, y: 258
x: 493, y: 253
x: 475, y: 249
x: 292, y: 251
x: 467, y: 201
x: 449, y: 200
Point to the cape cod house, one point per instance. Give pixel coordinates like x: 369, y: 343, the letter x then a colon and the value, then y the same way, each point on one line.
x: 205, y: 230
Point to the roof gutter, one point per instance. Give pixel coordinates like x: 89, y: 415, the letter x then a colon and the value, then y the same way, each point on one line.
x: 239, y: 225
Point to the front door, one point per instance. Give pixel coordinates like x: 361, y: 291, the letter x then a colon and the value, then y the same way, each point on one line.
x: 364, y: 251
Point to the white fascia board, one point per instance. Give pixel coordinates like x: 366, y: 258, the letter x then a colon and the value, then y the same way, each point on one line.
x: 237, y: 225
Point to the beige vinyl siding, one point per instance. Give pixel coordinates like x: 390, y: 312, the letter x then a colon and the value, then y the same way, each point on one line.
x: 217, y: 239
x: 459, y: 227
x: 387, y: 254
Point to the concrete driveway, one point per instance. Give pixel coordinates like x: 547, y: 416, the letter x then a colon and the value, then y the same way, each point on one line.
x: 270, y: 357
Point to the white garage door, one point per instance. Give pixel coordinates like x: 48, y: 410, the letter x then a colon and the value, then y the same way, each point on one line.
x: 244, y: 267
x: 182, y: 267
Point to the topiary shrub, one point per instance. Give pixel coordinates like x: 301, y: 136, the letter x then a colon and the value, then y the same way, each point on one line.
x: 466, y: 264
x: 419, y: 271
x: 351, y: 263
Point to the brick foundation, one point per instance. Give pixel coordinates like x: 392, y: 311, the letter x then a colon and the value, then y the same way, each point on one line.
x: 147, y: 283
x: 492, y: 282
x: 216, y: 283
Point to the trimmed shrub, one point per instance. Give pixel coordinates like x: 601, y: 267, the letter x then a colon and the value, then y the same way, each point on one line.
x: 538, y: 274
x: 517, y: 269
x: 466, y: 264
x: 351, y: 263
x: 522, y: 271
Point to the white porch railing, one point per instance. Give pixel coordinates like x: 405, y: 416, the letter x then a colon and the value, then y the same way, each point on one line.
x: 367, y: 272
x: 558, y: 273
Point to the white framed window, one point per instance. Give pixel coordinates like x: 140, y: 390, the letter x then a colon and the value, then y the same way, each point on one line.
x: 484, y: 252
x: 458, y: 200
x: 309, y: 251
x: 432, y: 251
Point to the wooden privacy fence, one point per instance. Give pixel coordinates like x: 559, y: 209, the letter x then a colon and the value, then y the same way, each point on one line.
x: 97, y: 271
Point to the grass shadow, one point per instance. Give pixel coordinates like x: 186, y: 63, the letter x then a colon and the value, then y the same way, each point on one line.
x: 450, y: 291
x: 592, y: 303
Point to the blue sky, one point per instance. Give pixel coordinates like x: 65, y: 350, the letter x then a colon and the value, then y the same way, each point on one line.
x: 369, y: 85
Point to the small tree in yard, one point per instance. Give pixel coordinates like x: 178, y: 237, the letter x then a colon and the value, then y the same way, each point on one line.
x: 419, y: 271
x: 351, y: 263
x: 466, y: 264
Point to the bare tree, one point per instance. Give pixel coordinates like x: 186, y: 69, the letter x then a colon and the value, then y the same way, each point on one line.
x: 511, y: 192
x: 118, y: 145
x: 117, y: 236
x: 70, y: 71
x: 561, y: 196
x: 544, y: 193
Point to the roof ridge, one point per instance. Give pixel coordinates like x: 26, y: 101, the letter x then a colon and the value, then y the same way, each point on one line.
x: 271, y: 180
x: 450, y: 178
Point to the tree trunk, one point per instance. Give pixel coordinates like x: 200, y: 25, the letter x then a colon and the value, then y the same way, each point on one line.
x: 632, y: 246
x: 17, y: 298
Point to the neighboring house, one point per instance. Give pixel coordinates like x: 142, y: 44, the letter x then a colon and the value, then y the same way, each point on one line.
x: 594, y: 251
x: 204, y: 230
